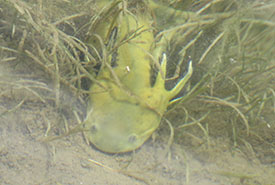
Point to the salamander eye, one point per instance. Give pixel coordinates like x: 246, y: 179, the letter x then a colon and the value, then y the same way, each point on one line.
x: 93, y: 129
x: 132, y: 138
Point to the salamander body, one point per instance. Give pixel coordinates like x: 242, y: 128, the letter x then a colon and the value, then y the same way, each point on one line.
x: 125, y: 109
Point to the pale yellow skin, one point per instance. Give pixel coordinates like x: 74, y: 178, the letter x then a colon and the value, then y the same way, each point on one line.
x: 124, y: 114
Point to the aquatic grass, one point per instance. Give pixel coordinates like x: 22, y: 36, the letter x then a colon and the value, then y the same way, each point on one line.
x: 234, y: 67
x: 59, y: 52
x: 12, y: 109
x: 229, y: 42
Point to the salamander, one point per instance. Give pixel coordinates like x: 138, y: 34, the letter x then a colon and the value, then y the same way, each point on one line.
x: 125, y: 108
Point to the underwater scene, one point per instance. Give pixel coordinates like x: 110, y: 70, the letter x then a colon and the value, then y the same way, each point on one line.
x: 172, y: 92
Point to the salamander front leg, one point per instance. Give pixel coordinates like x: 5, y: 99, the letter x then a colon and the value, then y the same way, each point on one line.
x: 180, y: 84
x: 160, y: 80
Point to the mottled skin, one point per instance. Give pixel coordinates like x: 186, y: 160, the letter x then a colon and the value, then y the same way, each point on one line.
x: 124, y: 114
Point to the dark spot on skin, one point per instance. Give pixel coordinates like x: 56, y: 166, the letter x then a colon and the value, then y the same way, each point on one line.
x: 132, y: 138
x: 93, y: 129
x: 114, y: 59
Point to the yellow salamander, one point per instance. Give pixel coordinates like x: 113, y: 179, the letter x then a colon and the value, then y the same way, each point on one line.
x: 125, y: 109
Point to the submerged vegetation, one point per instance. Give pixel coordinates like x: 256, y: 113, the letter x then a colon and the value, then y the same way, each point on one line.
x: 231, y: 94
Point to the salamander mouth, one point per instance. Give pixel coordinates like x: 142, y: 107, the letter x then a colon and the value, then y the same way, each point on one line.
x: 117, y: 144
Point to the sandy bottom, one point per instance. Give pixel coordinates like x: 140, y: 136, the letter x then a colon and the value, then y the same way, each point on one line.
x: 25, y: 159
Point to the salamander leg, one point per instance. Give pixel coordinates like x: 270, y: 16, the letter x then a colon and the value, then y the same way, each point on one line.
x: 180, y: 84
x: 160, y: 80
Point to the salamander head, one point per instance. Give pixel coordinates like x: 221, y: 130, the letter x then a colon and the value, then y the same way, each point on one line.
x: 121, y: 126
